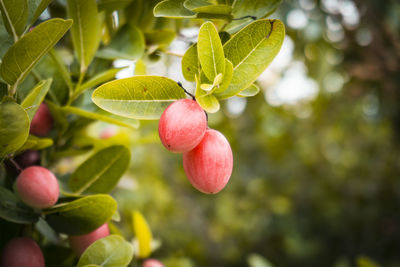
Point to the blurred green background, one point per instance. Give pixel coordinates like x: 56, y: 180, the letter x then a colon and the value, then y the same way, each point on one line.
x: 316, y: 153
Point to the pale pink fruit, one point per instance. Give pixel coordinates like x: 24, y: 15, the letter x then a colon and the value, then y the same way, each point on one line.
x: 152, y: 263
x: 22, y: 252
x: 209, y: 165
x: 42, y: 122
x: 182, y: 125
x: 79, y: 243
x: 37, y: 187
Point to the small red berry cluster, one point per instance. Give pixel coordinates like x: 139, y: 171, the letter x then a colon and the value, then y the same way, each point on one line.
x: 207, y: 155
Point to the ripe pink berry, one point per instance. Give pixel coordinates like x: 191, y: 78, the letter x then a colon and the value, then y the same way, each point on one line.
x: 209, y: 165
x: 79, y: 243
x: 182, y: 125
x: 37, y: 187
x: 152, y: 263
x: 42, y: 122
x: 20, y: 252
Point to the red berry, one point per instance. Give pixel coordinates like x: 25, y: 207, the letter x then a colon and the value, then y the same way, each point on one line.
x: 42, y: 122
x: 182, y: 125
x: 37, y: 187
x: 79, y: 243
x: 152, y: 263
x: 209, y: 165
x: 22, y: 252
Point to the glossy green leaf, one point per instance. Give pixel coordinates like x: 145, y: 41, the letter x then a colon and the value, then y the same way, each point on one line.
x: 81, y: 216
x: 214, y: 9
x: 226, y: 79
x: 252, y: 90
x: 33, y: 100
x: 143, y: 234
x: 15, y: 15
x: 139, y: 97
x: 14, y: 127
x: 192, y: 4
x: 13, y: 210
x: 102, y: 77
x: 111, y: 5
x: 224, y: 36
x: 36, y: 143
x: 39, y: 10
x: 128, y: 43
x: 110, y: 251
x: 251, y: 50
x: 207, y: 101
x: 24, y: 54
x: 6, y: 41
x: 210, y: 51
x: 61, y: 68
x: 85, y: 31
x: 101, y: 172
x: 172, y: 9
x: 190, y: 63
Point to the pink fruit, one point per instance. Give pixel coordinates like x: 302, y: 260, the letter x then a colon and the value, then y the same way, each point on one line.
x: 22, y: 252
x: 152, y: 263
x: 37, y: 187
x: 79, y: 243
x: 42, y: 122
x: 107, y: 133
x: 209, y: 165
x: 182, y: 125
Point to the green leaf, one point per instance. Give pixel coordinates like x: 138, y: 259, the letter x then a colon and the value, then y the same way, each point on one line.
x: 192, y: 4
x: 111, y: 5
x: 143, y: 234
x: 5, y: 41
x: 85, y: 31
x: 13, y: 210
x: 14, y: 127
x: 139, y: 97
x: 251, y: 51
x: 210, y: 51
x: 59, y: 118
x: 15, y: 15
x: 190, y: 63
x: 102, y: 77
x: 110, y: 251
x: 39, y: 10
x: 161, y: 37
x: 33, y: 100
x: 214, y: 9
x: 252, y: 90
x: 81, y: 216
x: 101, y: 172
x: 172, y: 9
x: 36, y: 143
x: 24, y: 54
x: 226, y: 79
x: 110, y: 118
x: 128, y: 43
x: 207, y: 101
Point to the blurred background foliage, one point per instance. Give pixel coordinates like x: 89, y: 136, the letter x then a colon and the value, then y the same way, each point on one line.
x: 316, y: 152
x: 316, y: 156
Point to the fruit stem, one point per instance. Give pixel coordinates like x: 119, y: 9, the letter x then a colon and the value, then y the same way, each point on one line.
x: 16, y: 164
x: 186, y: 92
x: 246, y: 17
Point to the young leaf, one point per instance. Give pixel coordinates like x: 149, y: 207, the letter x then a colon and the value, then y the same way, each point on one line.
x: 172, y: 9
x: 39, y: 10
x: 128, y: 43
x: 259, y: 43
x: 100, y: 117
x: 14, y: 127
x: 15, y: 15
x: 210, y: 51
x: 110, y: 251
x: 85, y: 31
x: 207, y: 101
x: 81, y: 216
x: 226, y: 79
x: 13, y: 210
x: 139, y: 97
x: 101, y: 172
x: 33, y: 100
x: 24, y: 54
x: 142, y: 232
x: 252, y: 90
x: 36, y: 143
x: 190, y: 63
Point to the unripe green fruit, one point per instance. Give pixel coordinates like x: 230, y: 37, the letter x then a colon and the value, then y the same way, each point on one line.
x: 152, y: 263
x: 182, y: 125
x: 79, y: 243
x: 37, y: 187
x: 22, y: 252
x: 42, y: 122
x: 209, y: 165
